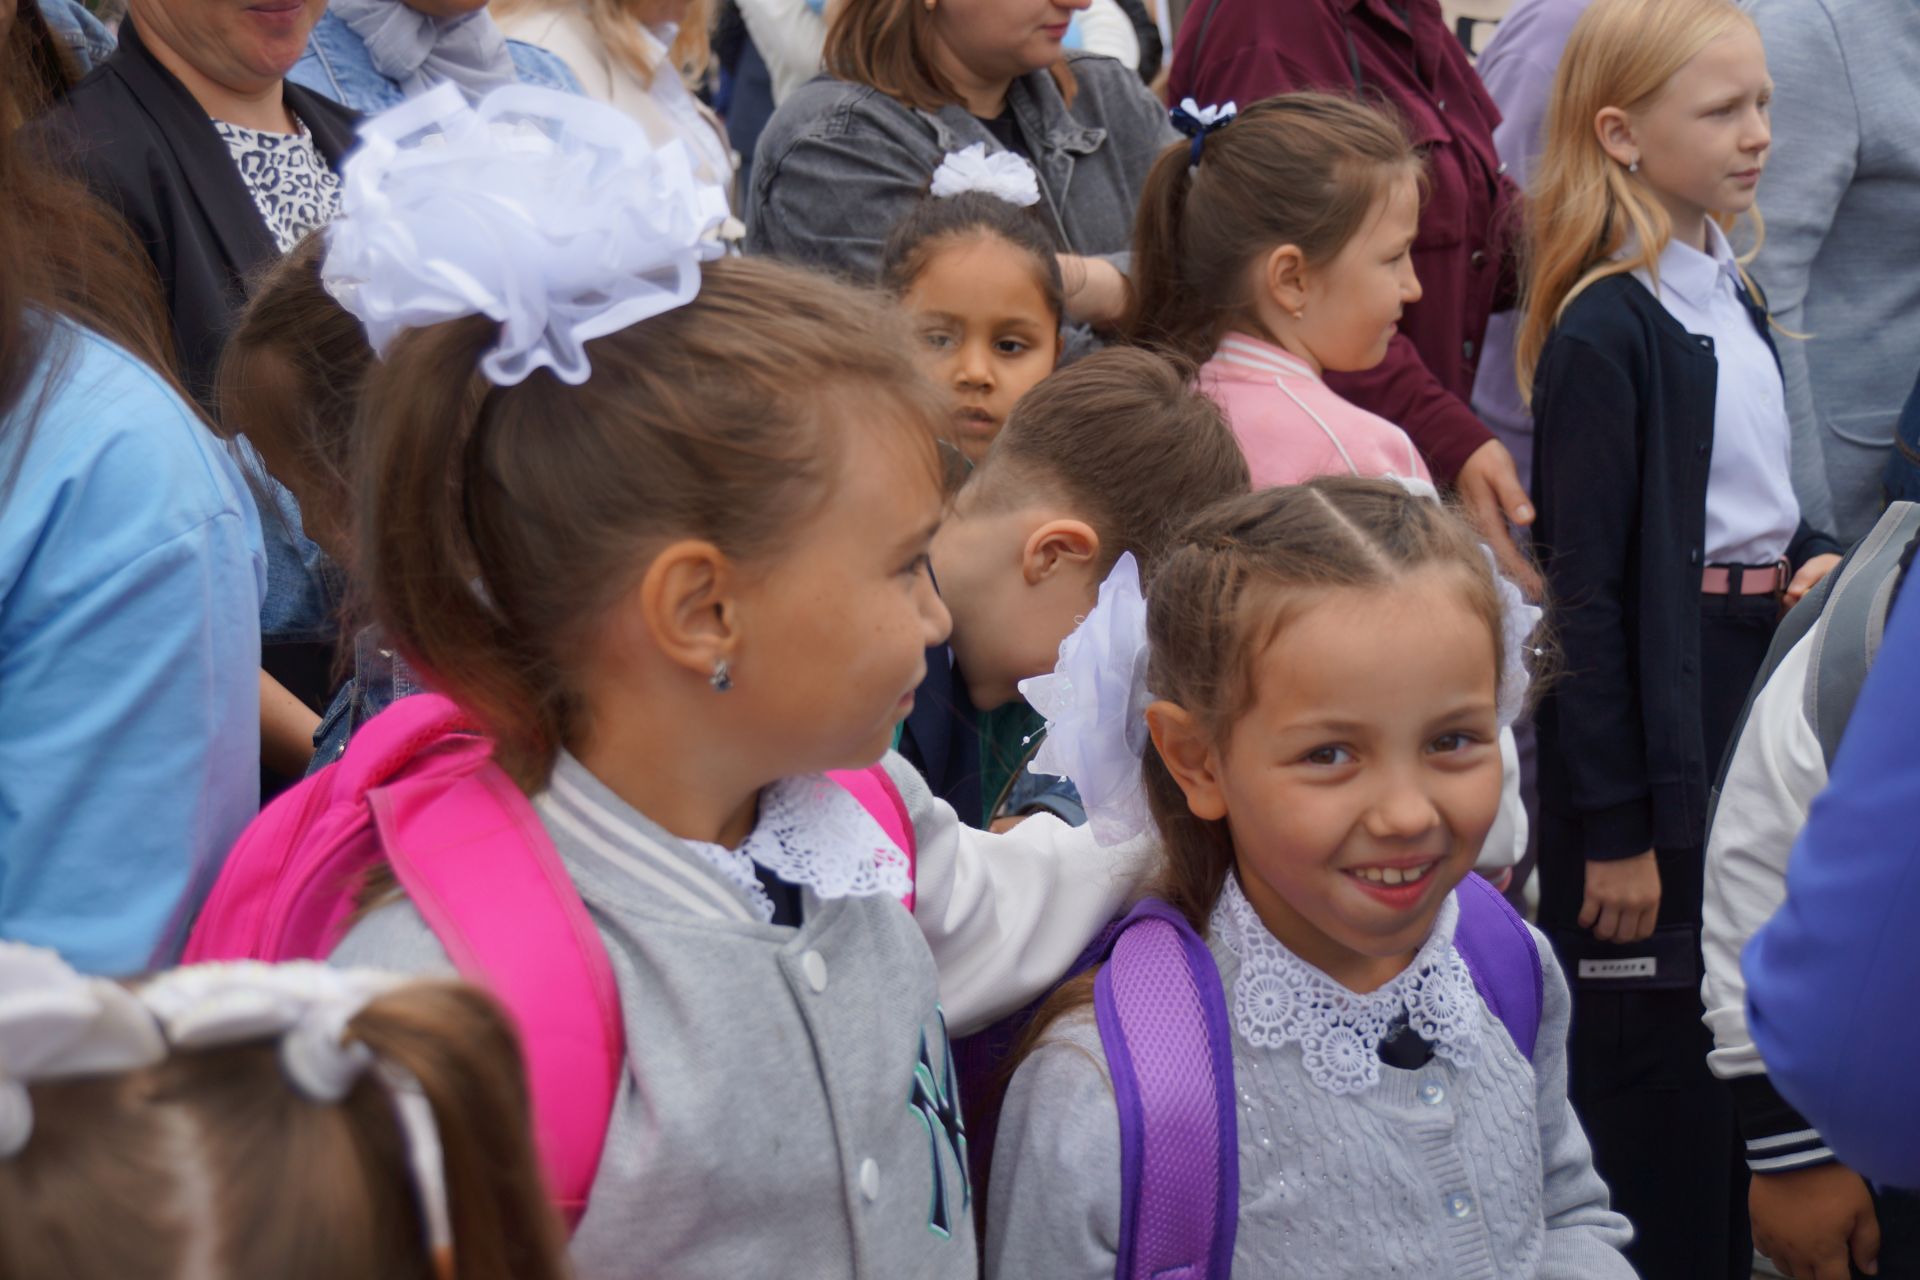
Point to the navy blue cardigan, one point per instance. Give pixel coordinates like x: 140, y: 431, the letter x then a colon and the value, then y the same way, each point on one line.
x: 1623, y: 409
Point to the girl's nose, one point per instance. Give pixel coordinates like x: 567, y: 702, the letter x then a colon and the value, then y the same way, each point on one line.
x: 1402, y: 811
x: 1410, y: 290
x: 936, y: 624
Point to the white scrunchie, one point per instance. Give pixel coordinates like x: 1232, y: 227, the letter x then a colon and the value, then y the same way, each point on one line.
x: 56, y: 1023
x: 550, y: 213
x: 1002, y: 174
x: 303, y: 1002
x: 1095, y: 704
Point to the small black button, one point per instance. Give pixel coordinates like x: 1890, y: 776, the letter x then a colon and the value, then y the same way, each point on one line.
x: 1466, y: 349
x: 1479, y: 258
x: 1693, y: 556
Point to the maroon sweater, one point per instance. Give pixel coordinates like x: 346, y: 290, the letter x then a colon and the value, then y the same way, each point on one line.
x: 1400, y: 50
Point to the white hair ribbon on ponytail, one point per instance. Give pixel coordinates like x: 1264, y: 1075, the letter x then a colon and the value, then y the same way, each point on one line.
x: 550, y: 213
x: 56, y: 1023
x: 308, y: 1006
x: 1095, y: 704
x: 1519, y: 619
x: 1002, y: 174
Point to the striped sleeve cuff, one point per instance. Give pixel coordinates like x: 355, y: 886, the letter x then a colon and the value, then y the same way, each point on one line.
x: 1777, y: 1137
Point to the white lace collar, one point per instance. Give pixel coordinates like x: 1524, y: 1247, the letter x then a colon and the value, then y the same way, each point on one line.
x: 1280, y: 999
x: 812, y: 832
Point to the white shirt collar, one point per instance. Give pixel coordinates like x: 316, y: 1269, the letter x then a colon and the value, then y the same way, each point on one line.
x: 1695, y: 275
x: 1279, y: 999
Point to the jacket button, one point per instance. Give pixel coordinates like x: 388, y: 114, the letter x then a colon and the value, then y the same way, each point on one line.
x: 1460, y: 1205
x: 1702, y: 448
x: 870, y: 1180
x: 814, y: 966
x: 1693, y: 556
x: 1466, y: 349
x: 1479, y: 258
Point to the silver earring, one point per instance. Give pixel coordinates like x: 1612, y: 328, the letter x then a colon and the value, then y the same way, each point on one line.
x: 721, y: 679
x: 1634, y: 167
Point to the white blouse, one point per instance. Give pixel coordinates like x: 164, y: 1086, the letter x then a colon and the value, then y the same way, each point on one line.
x: 1752, y: 512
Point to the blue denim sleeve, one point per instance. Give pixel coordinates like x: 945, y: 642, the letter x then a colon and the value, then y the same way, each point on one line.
x: 1833, y: 980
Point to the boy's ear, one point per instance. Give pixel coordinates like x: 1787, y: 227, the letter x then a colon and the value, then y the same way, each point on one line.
x: 1058, y: 545
x: 684, y: 608
x: 1188, y: 752
x: 1283, y: 277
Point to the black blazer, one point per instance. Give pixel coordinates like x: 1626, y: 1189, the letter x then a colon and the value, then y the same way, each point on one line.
x: 140, y: 140
x: 1623, y: 417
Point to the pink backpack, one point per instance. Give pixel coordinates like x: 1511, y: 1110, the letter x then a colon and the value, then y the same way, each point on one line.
x: 418, y: 790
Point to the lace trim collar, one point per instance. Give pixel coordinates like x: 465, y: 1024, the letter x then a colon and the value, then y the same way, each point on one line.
x: 812, y: 833
x: 1280, y: 999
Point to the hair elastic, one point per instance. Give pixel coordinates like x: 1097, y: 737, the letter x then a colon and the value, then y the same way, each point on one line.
x: 1197, y: 122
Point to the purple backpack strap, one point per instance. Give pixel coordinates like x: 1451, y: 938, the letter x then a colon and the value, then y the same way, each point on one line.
x: 1503, y: 958
x: 1162, y: 1014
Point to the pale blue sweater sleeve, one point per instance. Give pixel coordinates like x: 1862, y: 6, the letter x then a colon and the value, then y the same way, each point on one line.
x: 1833, y: 980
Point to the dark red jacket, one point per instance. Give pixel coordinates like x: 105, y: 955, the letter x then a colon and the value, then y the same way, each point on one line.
x: 1400, y: 50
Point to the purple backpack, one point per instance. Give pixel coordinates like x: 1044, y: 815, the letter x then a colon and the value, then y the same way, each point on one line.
x: 1163, y: 1022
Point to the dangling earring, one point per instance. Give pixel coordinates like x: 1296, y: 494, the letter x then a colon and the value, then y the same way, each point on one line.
x: 1634, y: 167
x: 721, y: 679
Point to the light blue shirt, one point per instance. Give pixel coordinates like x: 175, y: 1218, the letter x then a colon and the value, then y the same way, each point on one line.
x: 131, y: 576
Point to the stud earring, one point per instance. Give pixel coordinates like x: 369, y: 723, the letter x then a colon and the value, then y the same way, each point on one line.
x: 1634, y: 167
x: 722, y: 678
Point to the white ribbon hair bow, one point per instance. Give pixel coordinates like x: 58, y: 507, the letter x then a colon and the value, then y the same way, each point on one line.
x: 1095, y: 703
x: 1519, y: 619
x: 552, y: 214
x: 1002, y: 174
x: 308, y: 1006
x: 56, y: 1023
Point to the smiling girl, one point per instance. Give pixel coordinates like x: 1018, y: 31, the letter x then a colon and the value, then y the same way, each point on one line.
x: 1276, y: 249
x: 1330, y: 665
x: 1672, y: 541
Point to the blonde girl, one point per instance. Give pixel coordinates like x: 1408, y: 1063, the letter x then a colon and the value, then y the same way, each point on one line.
x: 1672, y: 540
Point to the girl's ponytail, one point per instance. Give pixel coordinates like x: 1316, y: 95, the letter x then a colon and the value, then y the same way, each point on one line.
x: 427, y: 407
x: 1166, y: 314
x: 455, y: 1041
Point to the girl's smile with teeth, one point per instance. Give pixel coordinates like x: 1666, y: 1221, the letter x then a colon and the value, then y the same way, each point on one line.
x: 1393, y: 875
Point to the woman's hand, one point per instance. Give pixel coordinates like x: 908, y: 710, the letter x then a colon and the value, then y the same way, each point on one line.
x: 1812, y: 1222
x: 1623, y: 898
x: 1490, y: 486
x: 1810, y: 575
x: 1096, y: 293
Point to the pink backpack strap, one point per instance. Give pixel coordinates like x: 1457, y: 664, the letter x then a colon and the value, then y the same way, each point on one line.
x: 477, y: 864
x: 874, y: 789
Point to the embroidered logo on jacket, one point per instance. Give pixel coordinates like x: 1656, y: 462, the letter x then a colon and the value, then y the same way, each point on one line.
x: 936, y: 1101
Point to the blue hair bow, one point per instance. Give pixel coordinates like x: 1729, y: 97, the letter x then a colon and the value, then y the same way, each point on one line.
x: 1197, y: 122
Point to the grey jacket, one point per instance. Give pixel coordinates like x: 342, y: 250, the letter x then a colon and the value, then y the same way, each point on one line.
x: 840, y: 163
x: 1442, y: 1173
x: 1841, y: 260
x: 789, y: 1107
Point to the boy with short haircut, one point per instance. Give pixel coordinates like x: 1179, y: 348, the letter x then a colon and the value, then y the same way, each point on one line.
x: 1112, y: 454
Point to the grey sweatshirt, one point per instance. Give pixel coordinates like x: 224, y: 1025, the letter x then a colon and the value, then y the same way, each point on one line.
x: 1434, y: 1173
x: 786, y: 1105
x: 1841, y: 260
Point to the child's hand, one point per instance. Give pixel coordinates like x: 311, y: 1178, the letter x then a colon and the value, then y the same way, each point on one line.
x: 1623, y: 898
x: 1808, y: 578
x: 1096, y: 293
x: 1490, y: 487
x: 1812, y: 1222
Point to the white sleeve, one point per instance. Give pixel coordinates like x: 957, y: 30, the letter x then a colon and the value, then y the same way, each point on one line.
x: 1105, y: 29
x: 1005, y: 915
x: 1776, y: 770
x: 789, y: 36
x: 1506, y: 843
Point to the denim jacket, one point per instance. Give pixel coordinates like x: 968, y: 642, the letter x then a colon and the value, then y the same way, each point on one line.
x: 85, y: 36
x: 336, y: 64
x: 841, y: 163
